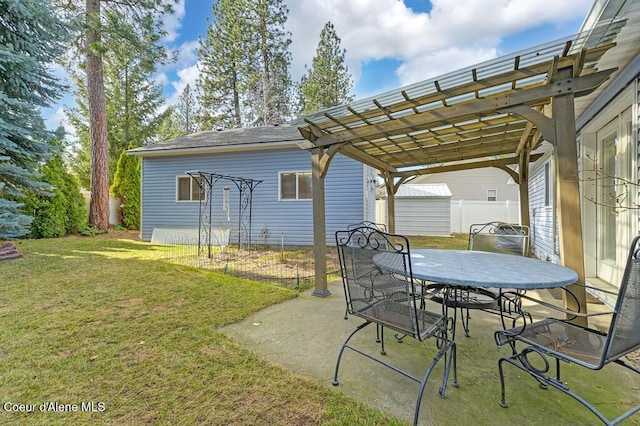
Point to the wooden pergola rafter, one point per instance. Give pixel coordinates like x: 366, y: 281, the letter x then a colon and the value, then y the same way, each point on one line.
x: 492, y: 115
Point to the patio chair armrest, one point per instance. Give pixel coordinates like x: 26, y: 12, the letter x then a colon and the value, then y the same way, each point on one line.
x: 504, y: 337
x: 599, y: 290
x: 571, y: 313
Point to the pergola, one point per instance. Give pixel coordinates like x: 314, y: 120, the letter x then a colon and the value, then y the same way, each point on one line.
x: 494, y: 114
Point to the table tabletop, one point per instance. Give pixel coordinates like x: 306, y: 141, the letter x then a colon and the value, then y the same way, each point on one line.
x: 482, y: 269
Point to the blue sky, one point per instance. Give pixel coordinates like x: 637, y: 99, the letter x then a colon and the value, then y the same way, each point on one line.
x: 389, y: 43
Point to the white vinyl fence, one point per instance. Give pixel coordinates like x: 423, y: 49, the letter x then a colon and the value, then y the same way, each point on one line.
x: 464, y: 213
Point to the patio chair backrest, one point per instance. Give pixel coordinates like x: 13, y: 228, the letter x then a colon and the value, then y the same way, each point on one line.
x: 624, y: 331
x: 499, y: 237
x: 366, y: 228
x: 373, y: 293
x: 369, y: 224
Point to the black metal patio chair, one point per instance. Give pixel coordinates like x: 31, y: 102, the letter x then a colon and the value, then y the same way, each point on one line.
x: 366, y: 226
x: 555, y: 341
x: 496, y: 237
x: 389, y: 300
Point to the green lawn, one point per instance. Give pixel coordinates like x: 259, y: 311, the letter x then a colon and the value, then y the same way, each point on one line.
x: 110, y: 322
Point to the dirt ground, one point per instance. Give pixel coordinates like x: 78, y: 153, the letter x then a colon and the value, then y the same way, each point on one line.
x: 114, y: 234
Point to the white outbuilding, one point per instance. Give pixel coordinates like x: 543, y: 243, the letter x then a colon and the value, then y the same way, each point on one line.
x: 423, y: 209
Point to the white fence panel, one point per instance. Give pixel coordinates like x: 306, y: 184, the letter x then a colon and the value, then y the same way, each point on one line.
x: 464, y: 213
x: 381, y: 212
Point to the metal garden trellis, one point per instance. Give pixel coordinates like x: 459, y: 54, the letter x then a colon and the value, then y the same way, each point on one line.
x: 206, y: 181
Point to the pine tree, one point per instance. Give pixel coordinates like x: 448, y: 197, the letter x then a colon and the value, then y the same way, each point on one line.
x: 269, y: 80
x: 223, y: 62
x: 170, y: 127
x: 104, y: 25
x: 187, y: 109
x: 31, y: 38
x: 328, y: 82
x: 99, y: 183
x: 133, y: 101
x: 245, y: 60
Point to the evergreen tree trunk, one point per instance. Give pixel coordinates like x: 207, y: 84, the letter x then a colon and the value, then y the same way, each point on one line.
x: 237, y: 115
x: 99, y: 205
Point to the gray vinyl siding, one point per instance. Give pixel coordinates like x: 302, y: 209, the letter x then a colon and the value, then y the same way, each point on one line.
x: 543, y: 226
x: 473, y: 184
x: 423, y: 216
x: 288, y: 221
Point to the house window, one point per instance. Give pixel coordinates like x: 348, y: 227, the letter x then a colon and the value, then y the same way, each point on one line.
x: 492, y: 195
x: 295, y: 185
x: 187, y: 189
x: 547, y: 184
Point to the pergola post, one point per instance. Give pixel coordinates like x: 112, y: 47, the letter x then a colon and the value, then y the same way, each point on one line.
x: 391, y: 202
x: 568, y: 194
x: 523, y: 186
x: 319, y: 166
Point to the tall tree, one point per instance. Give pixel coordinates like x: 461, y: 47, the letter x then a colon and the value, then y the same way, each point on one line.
x: 32, y: 37
x: 99, y: 204
x: 269, y: 80
x: 328, y: 82
x: 223, y: 62
x: 104, y: 25
x: 170, y: 127
x: 245, y: 60
x: 133, y: 105
x: 187, y: 109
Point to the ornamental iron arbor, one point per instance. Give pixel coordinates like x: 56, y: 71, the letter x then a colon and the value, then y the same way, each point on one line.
x: 206, y: 181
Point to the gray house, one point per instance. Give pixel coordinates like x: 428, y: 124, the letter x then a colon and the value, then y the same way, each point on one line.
x: 281, y: 203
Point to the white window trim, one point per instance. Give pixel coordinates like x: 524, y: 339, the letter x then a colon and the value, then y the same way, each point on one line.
x: 495, y: 191
x: 289, y: 200
x: 191, y: 183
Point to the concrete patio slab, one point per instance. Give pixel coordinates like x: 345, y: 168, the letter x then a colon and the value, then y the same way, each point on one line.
x: 306, y: 333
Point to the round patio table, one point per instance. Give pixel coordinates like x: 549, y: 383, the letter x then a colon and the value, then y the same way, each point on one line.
x: 480, y: 269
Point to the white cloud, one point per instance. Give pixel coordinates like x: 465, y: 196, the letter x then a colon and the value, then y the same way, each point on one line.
x: 59, y: 118
x: 186, y: 76
x: 173, y: 22
x: 440, y: 62
x: 187, y: 54
x: 161, y: 79
x: 455, y: 33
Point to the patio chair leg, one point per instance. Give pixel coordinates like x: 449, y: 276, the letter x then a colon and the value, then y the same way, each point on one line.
x: 344, y: 346
x: 503, y: 402
x: 450, y: 346
x: 454, y: 362
x: 382, y: 351
x: 464, y: 312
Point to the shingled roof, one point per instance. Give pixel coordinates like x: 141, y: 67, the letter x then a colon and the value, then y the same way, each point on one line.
x: 255, y: 137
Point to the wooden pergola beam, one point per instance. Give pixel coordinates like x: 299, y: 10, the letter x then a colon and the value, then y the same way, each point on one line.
x: 476, y: 85
x: 503, y: 162
x: 473, y: 109
x: 367, y: 159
